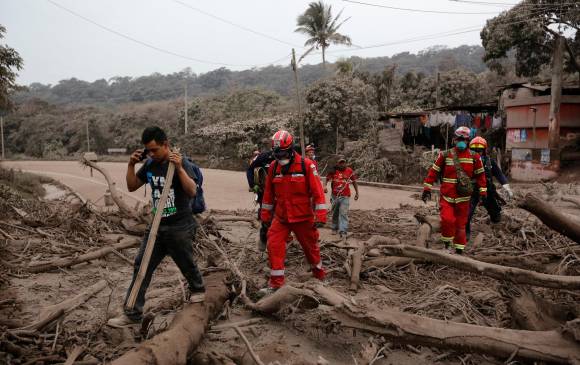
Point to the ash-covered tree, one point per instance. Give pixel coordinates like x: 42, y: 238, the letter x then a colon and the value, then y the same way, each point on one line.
x: 321, y: 27
x: 542, y: 33
x: 10, y: 61
x: 338, y: 107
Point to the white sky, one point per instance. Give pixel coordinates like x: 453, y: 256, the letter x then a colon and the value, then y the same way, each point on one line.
x: 56, y: 45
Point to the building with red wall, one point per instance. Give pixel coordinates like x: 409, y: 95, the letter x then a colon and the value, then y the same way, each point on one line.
x: 527, y: 108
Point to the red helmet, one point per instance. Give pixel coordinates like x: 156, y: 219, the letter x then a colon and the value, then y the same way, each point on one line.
x: 478, y: 143
x: 462, y: 132
x: 310, y: 148
x: 282, y: 140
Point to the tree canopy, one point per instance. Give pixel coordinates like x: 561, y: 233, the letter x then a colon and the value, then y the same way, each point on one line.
x: 321, y: 27
x: 10, y: 61
x: 529, y: 29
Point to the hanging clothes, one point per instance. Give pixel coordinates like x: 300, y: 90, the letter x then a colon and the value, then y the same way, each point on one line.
x: 477, y: 121
x: 496, y: 122
x: 488, y: 122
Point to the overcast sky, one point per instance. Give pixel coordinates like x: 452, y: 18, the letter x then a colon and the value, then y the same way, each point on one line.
x: 56, y: 44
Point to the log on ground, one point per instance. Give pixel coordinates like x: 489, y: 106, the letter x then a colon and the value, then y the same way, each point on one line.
x: 548, y: 346
x: 551, y: 217
x: 185, y: 332
x: 506, y: 273
x: 127, y: 242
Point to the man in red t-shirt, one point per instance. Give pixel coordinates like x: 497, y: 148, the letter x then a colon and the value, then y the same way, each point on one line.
x: 340, y: 180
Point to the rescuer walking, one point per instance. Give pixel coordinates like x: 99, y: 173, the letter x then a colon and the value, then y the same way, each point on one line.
x: 294, y: 202
x: 457, y: 168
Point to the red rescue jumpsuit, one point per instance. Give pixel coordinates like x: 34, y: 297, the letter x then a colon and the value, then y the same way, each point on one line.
x: 454, y: 208
x: 291, y: 196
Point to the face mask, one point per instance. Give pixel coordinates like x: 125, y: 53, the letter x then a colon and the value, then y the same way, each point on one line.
x: 461, y: 145
x: 284, y: 162
x: 313, y: 157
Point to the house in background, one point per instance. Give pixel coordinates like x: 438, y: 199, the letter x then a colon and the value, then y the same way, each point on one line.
x: 526, y: 108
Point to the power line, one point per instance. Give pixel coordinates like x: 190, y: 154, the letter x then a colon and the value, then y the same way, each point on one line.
x: 523, y: 4
x: 234, y: 24
x: 523, y: 19
x: 158, y: 49
x: 419, y: 10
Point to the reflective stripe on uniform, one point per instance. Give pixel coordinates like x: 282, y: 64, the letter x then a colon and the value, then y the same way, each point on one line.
x: 267, y: 206
x: 297, y: 175
x: 436, y: 168
x: 446, y: 239
x: 319, y: 266
x: 320, y: 207
x: 428, y: 185
x: 478, y: 171
x: 450, y: 162
x: 277, y: 272
x: 456, y: 200
x: 459, y: 247
x: 452, y: 181
x: 482, y: 189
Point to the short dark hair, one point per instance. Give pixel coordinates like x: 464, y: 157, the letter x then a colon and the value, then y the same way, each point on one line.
x: 153, y: 133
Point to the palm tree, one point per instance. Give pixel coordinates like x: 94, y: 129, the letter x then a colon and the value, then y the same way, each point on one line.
x: 321, y: 28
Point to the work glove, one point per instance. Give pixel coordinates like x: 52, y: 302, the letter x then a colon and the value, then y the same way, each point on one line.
x: 321, y: 216
x: 265, y: 215
x: 509, y: 191
x: 426, y: 196
x: 256, y: 189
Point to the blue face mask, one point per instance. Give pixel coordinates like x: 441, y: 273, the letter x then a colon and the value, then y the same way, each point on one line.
x: 461, y: 145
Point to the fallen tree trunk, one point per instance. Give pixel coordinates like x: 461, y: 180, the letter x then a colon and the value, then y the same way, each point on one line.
x: 506, y: 273
x: 173, y: 346
x: 37, y: 267
x: 551, y: 217
x: 360, y: 252
x: 72, y: 303
x: 117, y: 198
x: 572, y: 200
x: 429, y: 225
x: 548, y: 346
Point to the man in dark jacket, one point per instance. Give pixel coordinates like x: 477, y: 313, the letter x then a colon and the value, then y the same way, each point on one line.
x: 491, y: 204
x: 256, y: 176
x: 177, y: 227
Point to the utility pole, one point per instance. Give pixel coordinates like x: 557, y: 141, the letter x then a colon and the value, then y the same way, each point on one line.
x: 300, y: 120
x: 556, y: 98
x: 534, y: 110
x: 437, y: 80
x: 185, y: 105
x: 88, y: 138
x: 2, y: 135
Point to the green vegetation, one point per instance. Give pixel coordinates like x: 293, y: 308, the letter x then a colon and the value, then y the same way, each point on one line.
x: 28, y: 184
x: 278, y: 79
x: 321, y: 27
x: 9, y: 60
x: 531, y: 28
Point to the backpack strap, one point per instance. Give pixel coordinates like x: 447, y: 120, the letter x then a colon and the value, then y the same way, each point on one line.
x: 459, y: 169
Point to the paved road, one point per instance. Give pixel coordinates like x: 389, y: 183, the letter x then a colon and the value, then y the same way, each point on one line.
x: 223, y: 189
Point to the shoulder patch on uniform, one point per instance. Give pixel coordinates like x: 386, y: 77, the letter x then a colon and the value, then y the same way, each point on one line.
x: 315, y: 172
x: 312, y: 166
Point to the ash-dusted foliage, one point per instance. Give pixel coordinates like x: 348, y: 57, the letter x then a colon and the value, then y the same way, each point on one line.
x: 343, y: 103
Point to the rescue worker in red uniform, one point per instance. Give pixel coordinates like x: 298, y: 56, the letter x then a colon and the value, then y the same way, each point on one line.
x: 311, y: 154
x: 294, y: 202
x: 454, y: 208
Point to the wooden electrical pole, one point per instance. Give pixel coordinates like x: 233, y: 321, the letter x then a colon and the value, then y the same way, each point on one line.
x: 298, y: 103
x: 88, y: 138
x: 2, y: 135
x: 185, y: 106
x: 437, y: 97
x: 556, y: 98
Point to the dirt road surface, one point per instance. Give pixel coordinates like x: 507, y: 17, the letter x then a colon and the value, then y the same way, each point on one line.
x: 223, y: 189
